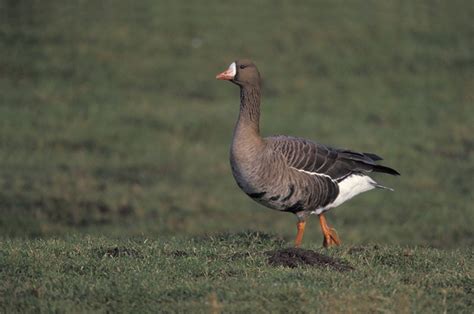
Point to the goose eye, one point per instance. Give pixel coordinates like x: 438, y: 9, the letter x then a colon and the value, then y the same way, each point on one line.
x: 242, y: 66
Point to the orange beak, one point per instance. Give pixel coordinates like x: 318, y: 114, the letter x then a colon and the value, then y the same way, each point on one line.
x: 228, y: 74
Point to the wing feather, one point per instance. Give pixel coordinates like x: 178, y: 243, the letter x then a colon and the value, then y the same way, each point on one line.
x: 336, y: 163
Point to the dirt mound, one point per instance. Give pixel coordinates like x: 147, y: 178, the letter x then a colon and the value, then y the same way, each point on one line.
x: 293, y: 257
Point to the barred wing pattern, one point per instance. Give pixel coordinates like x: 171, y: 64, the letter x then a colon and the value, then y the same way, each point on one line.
x: 338, y: 164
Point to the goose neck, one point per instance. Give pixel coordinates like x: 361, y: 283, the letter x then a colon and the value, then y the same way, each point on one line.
x: 249, y: 116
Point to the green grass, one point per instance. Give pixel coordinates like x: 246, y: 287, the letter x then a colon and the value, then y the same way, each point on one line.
x: 113, y: 127
x: 228, y: 273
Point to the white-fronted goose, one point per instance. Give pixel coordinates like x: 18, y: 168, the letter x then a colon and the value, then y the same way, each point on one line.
x: 292, y: 174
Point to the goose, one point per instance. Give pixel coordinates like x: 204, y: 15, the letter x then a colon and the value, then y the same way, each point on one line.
x: 292, y: 174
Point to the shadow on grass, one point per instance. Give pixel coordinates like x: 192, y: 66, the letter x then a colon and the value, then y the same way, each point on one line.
x: 254, y: 241
x: 244, y: 238
x: 295, y: 257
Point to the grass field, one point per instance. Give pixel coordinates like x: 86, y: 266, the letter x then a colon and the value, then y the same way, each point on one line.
x: 114, y: 131
x: 227, y: 272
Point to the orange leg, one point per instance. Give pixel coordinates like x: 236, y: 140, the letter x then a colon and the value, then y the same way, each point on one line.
x: 330, y: 235
x: 299, y: 236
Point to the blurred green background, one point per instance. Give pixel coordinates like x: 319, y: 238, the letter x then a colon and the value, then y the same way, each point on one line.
x: 112, y: 122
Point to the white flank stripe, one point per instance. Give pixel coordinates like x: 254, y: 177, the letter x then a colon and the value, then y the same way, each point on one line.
x: 348, y: 188
x: 313, y: 173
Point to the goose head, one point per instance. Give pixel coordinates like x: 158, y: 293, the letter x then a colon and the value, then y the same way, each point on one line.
x: 241, y: 72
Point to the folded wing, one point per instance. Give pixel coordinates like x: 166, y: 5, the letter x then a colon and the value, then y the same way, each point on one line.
x: 336, y: 163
